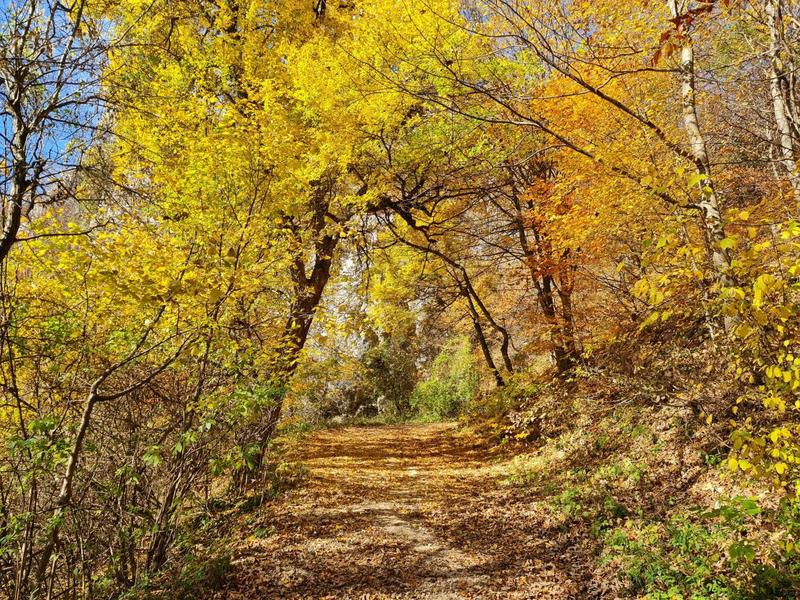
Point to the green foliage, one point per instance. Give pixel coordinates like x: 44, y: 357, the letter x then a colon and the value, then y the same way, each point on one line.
x: 737, y: 511
x: 526, y: 469
x: 450, y: 385
x: 199, y: 576
x: 764, y: 304
x: 702, y: 556
x: 674, y: 560
x: 570, y: 503
x: 391, y: 371
x: 251, y: 401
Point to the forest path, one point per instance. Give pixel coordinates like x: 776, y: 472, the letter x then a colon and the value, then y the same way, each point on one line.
x: 412, y: 511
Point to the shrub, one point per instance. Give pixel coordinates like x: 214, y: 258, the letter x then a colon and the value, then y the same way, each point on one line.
x: 391, y: 373
x: 451, y: 383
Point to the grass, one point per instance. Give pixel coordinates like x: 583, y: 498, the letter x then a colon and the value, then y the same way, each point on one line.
x: 616, y: 478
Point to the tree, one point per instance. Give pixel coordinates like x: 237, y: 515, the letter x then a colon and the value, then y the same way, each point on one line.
x: 51, y: 97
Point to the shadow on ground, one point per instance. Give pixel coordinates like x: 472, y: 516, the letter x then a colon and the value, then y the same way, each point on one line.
x: 407, y: 512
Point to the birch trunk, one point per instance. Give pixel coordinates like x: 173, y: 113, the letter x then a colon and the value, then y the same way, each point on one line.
x: 709, y: 204
x: 777, y: 74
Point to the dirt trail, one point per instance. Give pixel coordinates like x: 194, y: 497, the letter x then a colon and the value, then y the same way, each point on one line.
x: 405, y: 512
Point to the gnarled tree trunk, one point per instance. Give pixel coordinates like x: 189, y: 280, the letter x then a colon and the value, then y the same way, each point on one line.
x: 308, y: 290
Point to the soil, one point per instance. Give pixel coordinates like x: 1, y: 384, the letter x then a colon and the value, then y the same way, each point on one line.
x: 412, y: 511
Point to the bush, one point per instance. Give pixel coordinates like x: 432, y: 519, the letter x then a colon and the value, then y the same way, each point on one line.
x: 451, y: 383
x: 391, y: 373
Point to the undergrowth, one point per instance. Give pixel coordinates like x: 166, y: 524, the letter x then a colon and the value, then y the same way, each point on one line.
x: 640, y: 466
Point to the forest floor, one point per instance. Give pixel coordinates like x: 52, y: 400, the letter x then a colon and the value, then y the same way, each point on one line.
x: 411, y: 511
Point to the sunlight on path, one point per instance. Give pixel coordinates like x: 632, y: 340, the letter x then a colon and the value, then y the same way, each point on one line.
x: 404, y: 512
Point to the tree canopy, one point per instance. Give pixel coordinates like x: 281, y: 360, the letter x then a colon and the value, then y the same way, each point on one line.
x: 223, y: 217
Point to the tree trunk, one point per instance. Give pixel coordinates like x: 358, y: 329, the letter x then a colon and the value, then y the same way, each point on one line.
x: 568, y: 325
x: 562, y: 340
x: 709, y: 205
x: 65, y: 494
x: 559, y: 337
x: 308, y: 290
x: 482, y: 342
x: 505, y: 337
x: 777, y: 83
x: 20, y: 185
x: 466, y: 282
